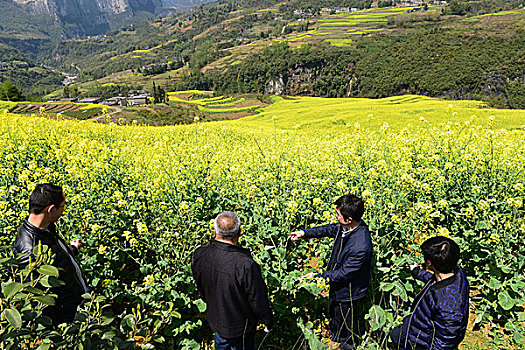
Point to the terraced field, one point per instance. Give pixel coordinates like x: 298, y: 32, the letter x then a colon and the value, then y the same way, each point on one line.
x: 333, y: 29
x: 227, y: 107
x: 5, y: 105
x: 71, y: 110
x: 502, y: 13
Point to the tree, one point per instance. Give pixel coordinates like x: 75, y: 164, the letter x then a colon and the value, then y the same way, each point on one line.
x: 159, y: 94
x: 154, y: 93
x: 9, y: 92
x: 455, y: 7
x: 65, y: 92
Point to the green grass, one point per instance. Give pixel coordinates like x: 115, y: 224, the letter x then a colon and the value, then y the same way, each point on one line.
x: 340, y: 42
x: 84, y: 113
x: 502, y: 13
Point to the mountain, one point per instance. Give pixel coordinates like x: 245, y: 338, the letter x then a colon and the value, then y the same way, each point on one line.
x: 32, y: 29
x: 291, y: 49
x: 86, y: 15
x: 94, y: 17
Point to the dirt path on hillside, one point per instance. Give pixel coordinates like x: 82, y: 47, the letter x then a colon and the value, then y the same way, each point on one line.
x: 101, y: 117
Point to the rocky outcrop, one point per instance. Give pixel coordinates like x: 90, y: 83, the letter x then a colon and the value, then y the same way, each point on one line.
x: 86, y: 14
x: 276, y: 85
x: 90, y: 17
x: 306, y: 81
x: 114, y: 6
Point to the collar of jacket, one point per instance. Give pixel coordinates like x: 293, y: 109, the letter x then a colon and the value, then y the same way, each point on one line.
x: 351, y: 231
x: 49, y: 231
x: 447, y: 281
x: 229, y: 247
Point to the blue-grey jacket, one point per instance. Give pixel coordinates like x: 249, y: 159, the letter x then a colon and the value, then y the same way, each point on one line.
x: 349, y: 268
x: 440, y: 311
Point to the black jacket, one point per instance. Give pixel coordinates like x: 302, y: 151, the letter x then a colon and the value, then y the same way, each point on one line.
x: 349, y: 268
x: 231, y: 284
x: 69, y: 296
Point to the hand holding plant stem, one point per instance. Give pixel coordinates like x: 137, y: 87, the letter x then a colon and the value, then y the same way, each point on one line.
x: 309, y: 276
x: 76, y: 242
x: 412, y: 266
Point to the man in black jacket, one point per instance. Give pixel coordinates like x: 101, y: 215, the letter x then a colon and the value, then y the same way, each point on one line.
x: 348, y: 271
x: 46, y: 206
x: 231, y: 284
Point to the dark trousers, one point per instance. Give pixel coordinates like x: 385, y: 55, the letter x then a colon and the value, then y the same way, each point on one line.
x: 347, y: 321
x: 246, y: 342
x: 398, y: 335
x: 61, y: 313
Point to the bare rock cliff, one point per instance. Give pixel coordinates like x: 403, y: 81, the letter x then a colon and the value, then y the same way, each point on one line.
x: 89, y: 16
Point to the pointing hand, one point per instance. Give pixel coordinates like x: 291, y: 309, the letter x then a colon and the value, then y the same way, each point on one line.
x: 294, y: 236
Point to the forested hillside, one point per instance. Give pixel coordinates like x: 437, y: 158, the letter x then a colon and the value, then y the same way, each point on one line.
x: 31, y: 78
x: 463, y: 50
x: 444, y: 62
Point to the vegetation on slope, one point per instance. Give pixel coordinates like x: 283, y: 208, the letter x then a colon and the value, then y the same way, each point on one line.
x: 31, y: 79
x: 372, y: 53
x: 437, y: 51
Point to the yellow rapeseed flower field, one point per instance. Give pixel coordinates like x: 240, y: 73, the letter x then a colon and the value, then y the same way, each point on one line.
x: 142, y: 198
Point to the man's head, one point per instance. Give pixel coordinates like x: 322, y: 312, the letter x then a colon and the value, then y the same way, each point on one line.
x: 442, y: 252
x: 47, y: 199
x: 227, y: 225
x: 351, y: 207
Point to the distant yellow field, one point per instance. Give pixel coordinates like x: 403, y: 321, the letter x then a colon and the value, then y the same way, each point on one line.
x: 398, y: 112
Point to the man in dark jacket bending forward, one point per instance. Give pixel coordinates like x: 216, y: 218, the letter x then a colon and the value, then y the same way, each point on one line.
x: 440, y: 311
x: 231, y: 284
x: 348, y: 271
x: 46, y: 206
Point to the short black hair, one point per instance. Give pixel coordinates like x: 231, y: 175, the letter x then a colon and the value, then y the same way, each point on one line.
x: 351, y: 206
x: 44, y: 195
x: 442, y: 252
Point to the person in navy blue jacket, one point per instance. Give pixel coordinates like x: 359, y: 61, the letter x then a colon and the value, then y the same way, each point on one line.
x: 348, y: 270
x: 440, y: 310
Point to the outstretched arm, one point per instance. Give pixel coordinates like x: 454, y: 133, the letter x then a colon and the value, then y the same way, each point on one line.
x: 329, y: 230
x: 295, y: 236
x: 421, y: 274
